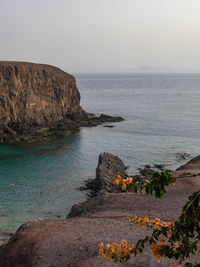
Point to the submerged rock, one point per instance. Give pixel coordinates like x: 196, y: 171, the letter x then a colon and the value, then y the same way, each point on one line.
x: 36, y: 99
x: 109, y: 126
x: 182, y: 156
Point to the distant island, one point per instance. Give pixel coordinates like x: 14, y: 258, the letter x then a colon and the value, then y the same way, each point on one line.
x: 159, y: 69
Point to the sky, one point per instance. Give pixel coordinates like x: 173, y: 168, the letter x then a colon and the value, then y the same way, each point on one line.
x: 102, y: 35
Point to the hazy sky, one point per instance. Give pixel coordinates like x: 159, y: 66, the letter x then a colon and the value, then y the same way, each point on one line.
x: 102, y: 35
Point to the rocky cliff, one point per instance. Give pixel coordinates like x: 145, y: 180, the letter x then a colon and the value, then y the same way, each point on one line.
x: 36, y: 98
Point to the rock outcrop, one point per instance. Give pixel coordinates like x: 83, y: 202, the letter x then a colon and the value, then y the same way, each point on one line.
x: 109, y: 166
x: 37, y: 98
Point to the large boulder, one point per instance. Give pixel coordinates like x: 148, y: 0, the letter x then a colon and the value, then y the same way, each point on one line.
x: 36, y: 97
x: 109, y: 166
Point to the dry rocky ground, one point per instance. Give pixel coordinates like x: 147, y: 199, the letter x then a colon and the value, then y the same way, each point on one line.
x: 75, y: 241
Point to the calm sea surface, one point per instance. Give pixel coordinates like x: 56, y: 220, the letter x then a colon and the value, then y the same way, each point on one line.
x: 162, y: 121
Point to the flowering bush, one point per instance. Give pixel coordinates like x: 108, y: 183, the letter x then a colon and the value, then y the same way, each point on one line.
x: 156, y: 184
x: 174, y: 240
x: 116, y: 252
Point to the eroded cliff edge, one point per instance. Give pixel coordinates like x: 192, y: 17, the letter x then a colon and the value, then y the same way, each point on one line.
x: 36, y: 99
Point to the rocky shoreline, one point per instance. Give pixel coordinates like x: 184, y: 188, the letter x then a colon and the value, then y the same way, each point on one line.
x: 41, y: 134
x: 74, y: 241
x: 39, y: 101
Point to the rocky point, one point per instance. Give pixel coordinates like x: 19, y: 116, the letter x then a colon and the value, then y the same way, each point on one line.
x: 37, y: 99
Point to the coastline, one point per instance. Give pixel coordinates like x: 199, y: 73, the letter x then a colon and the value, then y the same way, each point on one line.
x: 45, y: 133
x: 74, y: 241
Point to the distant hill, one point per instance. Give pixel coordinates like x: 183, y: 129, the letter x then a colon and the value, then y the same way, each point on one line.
x: 150, y: 69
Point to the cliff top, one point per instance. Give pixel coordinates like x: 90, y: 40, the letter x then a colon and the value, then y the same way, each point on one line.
x: 31, y: 65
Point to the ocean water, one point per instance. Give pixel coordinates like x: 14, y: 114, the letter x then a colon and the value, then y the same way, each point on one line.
x: 162, y: 122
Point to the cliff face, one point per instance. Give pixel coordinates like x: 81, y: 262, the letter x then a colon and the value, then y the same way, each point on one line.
x: 34, y: 97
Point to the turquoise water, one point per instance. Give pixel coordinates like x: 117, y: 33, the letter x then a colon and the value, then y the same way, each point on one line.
x: 162, y: 119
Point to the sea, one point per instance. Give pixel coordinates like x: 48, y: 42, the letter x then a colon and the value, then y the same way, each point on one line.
x: 162, y: 126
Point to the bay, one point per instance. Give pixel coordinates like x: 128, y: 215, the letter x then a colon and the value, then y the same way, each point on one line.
x: 162, y: 123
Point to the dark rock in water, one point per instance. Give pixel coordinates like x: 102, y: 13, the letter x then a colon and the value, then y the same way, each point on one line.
x: 182, y: 156
x: 91, y: 186
x: 106, y: 118
x: 109, y: 166
x: 36, y: 100
x: 149, y: 170
x: 94, y: 121
x: 146, y: 171
x: 160, y: 167
x: 109, y: 126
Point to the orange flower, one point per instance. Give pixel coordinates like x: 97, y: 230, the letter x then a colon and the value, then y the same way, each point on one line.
x: 177, y: 245
x: 116, y: 182
x: 124, y: 186
x: 146, y: 219
x: 124, y: 252
x: 124, y: 243
x: 151, y: 222
x: 129, y: 180
x: 107, y: 247
x: 101, y: 251
x: 169, y: 232
x: 114, y: 245
x: 156, y: 249
x: 162, y: 239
